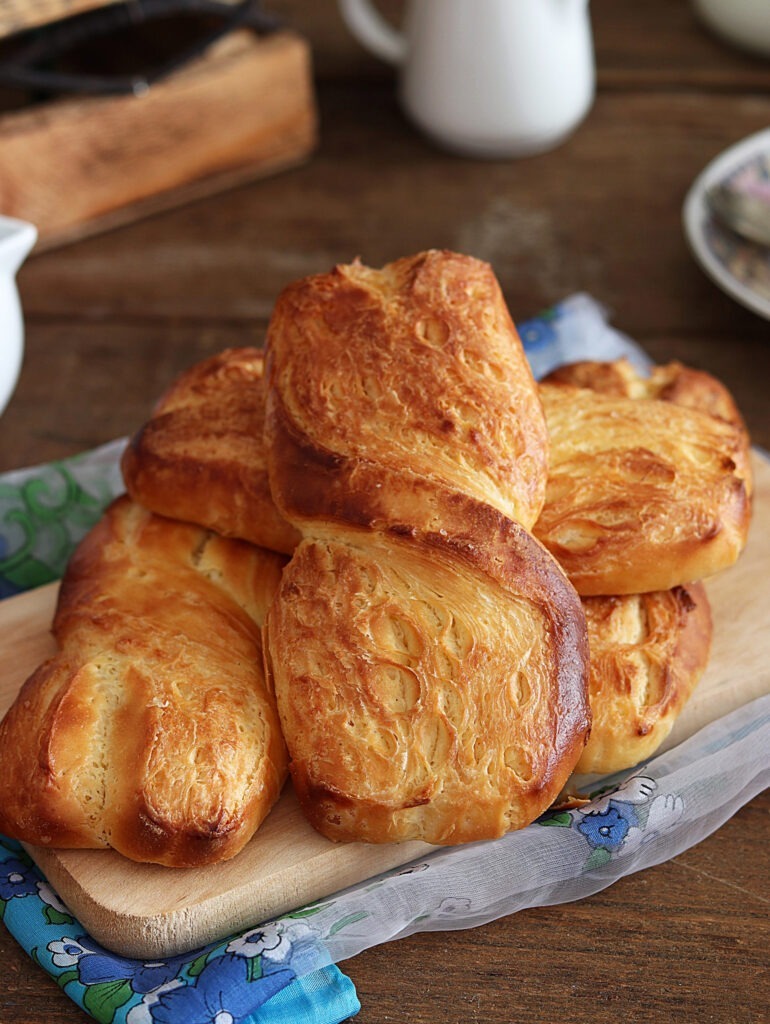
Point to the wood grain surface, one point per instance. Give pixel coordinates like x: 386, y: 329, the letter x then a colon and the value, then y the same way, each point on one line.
x: 112, y: 319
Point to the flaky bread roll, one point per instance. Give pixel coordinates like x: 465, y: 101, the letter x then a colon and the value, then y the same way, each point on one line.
x: 642, y: 495
x: 430, y: 687
x: 408, y: 379
x: 152, y: 730
x: 428, y: 656
x: 647, y: 653
x: 200, y: 458
x: 669, y: 382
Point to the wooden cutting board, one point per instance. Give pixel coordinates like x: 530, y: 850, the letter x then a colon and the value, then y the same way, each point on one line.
x: 149, y: 911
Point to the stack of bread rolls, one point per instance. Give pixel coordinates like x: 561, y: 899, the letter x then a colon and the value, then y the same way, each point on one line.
x: 380, y: 557
x: 648, y: 493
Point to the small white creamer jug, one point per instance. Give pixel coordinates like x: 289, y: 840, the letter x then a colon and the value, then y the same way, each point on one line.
x: 487, y: 78
x: 16, y: 239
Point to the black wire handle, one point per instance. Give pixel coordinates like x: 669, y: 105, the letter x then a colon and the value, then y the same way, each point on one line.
x: 21, y: 70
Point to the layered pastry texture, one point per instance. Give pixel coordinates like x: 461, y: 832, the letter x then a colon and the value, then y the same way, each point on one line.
x: 428, y: 656
x: 151, y: 731
x: 479, y: 566
x: 643, y: 494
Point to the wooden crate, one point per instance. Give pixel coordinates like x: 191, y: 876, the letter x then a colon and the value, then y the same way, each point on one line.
x: 77, y: 165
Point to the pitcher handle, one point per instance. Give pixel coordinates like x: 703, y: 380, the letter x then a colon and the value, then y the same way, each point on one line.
x: 373, y: 31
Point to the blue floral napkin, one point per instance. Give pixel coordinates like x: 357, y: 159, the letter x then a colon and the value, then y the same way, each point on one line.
x: 256, y: 976
x: 283, y: 971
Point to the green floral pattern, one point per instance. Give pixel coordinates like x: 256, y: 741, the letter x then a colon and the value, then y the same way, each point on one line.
x: 45, y: 511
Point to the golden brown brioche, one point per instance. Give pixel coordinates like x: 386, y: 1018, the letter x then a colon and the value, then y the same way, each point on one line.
x: 671, y: 382
x: 642, y: 495
x: 430, y: 687
x: 201, y: 459
x: 385, y: 383
x: 152, y: 730
x: 647, y: 652
x: 428, y: 656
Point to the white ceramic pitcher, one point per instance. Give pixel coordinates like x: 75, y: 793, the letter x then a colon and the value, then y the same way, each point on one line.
x: 489, y: 78
x: 16, y: 240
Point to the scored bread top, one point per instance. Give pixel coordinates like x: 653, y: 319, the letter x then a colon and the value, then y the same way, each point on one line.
x: 381, y: 381
x: 152, y: 730
x: 642, y: 495
x: 430, y: 687
x: 200, y: 458
x: 647, y: 652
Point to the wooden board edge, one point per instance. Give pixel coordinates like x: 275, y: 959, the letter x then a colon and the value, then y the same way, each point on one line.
x: 192, y: 926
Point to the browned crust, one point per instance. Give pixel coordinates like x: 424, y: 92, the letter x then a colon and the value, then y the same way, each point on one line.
x: 669, y: 382
x: 332, y: 662
x: 319, y: 487
x: 415, y: 369
x: 151, y: 731
x: 405, y: 436
x: 648, y: 652
x: 642, y: 495
x: 200, y: 458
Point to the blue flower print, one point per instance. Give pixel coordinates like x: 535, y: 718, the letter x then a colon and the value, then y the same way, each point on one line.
x: 50, y: 898
x: 276, y: 942
x: 605, y: 829
x: 222, y: 994
x: 16, y: 879
x: 623, y: 818
x: 54, y: 911
x: 95, y: 965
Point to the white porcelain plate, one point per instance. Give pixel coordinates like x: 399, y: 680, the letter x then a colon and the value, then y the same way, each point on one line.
x: 739, y: 267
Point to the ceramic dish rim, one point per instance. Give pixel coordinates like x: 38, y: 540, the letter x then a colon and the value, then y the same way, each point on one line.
x: 695, y: 214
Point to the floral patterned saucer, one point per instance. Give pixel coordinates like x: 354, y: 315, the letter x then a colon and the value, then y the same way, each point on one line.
x: 739, y: 267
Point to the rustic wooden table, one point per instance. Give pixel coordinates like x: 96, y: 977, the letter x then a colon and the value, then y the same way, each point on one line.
x: 112, y: 319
